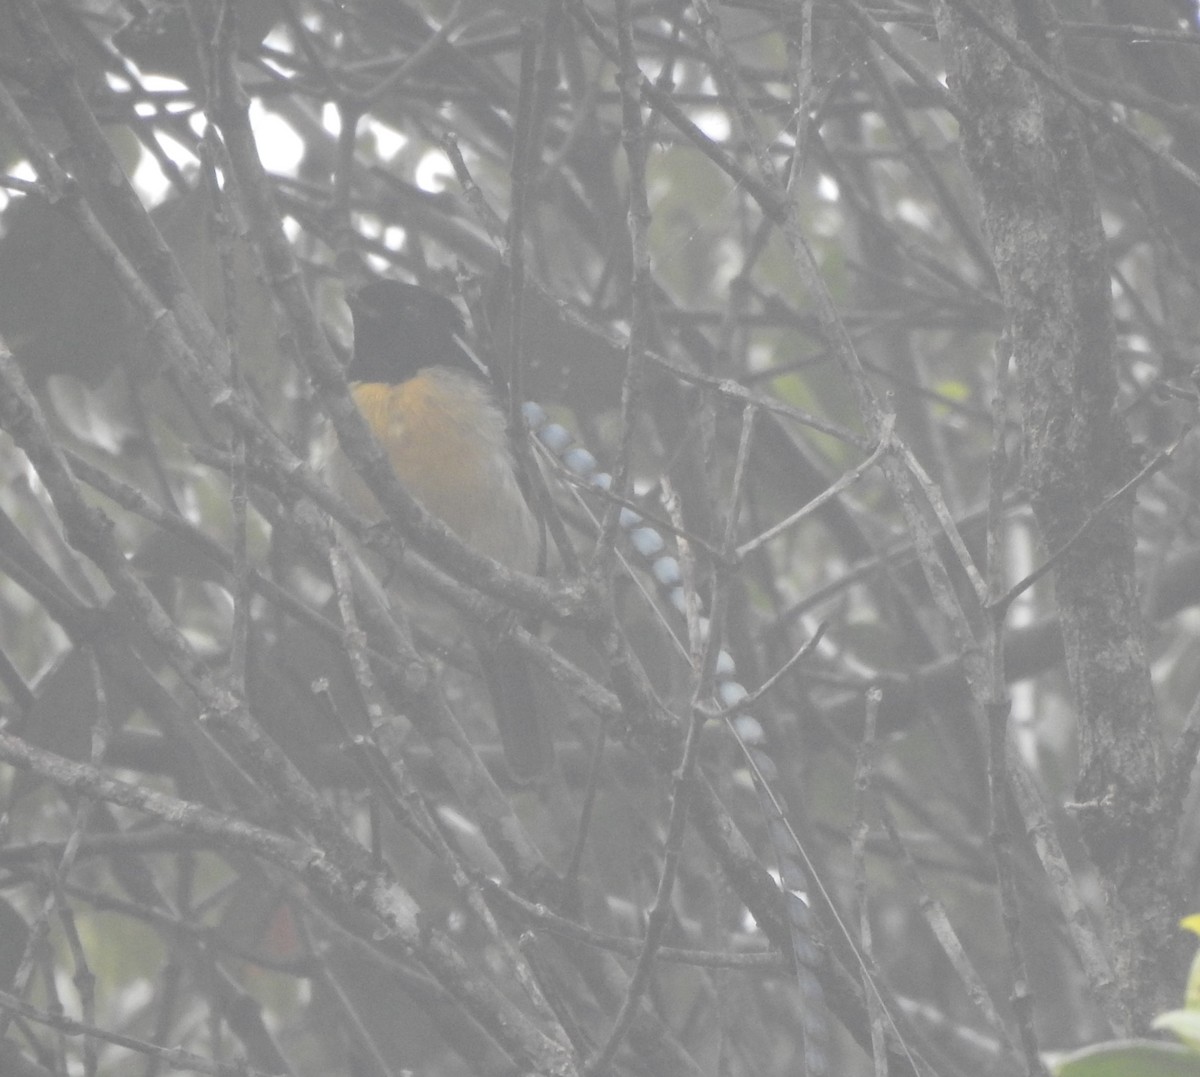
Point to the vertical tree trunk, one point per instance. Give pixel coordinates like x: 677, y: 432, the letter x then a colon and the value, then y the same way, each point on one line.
x: 1026, y: 150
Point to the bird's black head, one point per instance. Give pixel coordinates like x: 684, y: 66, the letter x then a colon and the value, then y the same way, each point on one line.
x: 400, y: 328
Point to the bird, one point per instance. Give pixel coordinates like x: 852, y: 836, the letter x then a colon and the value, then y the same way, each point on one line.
x: 431, y: 405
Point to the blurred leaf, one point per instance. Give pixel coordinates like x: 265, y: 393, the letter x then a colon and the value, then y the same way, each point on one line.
x: 75, y: 43
x: 1184, y: 1023
x: 167, y: 556
x: 159, y: 38
x: 61, y: 311
x: 1191, y: 996
x: 62, y: 714
x: 14, y: 1063
x: 187, y: 225
x: 14, y: 933
x: 1128, y: 1058
x: 117, y: 951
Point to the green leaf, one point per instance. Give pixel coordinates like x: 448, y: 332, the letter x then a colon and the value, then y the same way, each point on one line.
x: 1184, y: 1023
x: 1128, y: 1058
x: 1191, y: 998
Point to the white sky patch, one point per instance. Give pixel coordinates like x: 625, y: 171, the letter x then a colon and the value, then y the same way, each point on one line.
x: 280, y: 147
x: 433, y: 171
x: 388, y: 141
x: 22, y: 170
x: 912, y: 212
x: 161, y: 84
x: 650, y: 67
x: 279, y: 39
x: 331, y: 118
x: 729, y: 261
x: 713, y: 123
x: 1139, y: 345
x: 149, y: 181
x: 827, y: 188
x: 177, y: 151
x: 760, y: 357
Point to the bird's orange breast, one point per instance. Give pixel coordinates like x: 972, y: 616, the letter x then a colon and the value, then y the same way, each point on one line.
x: 448, y: 443
x: 429, y: 440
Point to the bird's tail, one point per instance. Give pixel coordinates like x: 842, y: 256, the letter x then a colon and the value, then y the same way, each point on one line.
x: 526, y: 732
